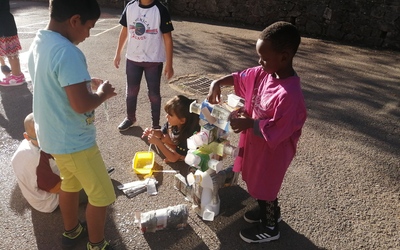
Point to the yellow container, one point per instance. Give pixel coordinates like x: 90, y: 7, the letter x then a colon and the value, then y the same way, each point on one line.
x: 143, y: 162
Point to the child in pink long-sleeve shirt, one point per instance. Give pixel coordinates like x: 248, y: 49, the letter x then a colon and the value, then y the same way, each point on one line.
x: 270, y: 124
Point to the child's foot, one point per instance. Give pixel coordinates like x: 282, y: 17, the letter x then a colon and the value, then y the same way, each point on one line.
x: 260, y: 233
x: 5, y: 70
x: 253, y: 216
x: 104, y: 245
x: 71, y: 238
x: 13, y: 80
x: 126, y: 124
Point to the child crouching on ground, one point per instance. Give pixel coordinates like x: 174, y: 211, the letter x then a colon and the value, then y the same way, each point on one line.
x: 36, y: 171
x: 181, y: 124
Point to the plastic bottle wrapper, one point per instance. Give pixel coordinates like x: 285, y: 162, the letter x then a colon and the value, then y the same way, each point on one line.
x: 174, y: 217
x: 137, y: 187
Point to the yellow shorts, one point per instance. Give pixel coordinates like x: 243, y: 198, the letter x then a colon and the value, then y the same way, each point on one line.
x: 86, y: 169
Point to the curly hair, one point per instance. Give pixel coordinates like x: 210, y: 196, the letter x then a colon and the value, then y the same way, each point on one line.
x: 283, y: 35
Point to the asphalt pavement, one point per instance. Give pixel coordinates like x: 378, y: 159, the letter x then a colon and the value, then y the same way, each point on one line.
x: 342, y: 191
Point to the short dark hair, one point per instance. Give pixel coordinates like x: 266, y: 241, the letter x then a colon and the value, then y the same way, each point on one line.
x: 283, y: 35
x: 62, y: 10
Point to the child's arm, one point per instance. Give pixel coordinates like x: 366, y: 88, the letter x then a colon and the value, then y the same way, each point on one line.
x: 156, y: 132
x: 56, y: 189
x: 170, y: 154
x: 81, y: 100
x: 95, y: 83
x: 214, y: 94
x: 123, y: 35
x: 168, y: 70
x: 240, y: 121
x: 46, y: 179
x: 165, y: 138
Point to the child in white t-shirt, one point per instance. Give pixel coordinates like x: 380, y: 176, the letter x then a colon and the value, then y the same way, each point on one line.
x: 147, y: 27
x: 36, y: 171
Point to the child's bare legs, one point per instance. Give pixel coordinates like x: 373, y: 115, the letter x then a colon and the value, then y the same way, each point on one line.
x: 13, y: 77
x: 69, y: 206
x: 96, y: 218
x: 97, y: 185
x: 2, y: 62
x: 15, y: 65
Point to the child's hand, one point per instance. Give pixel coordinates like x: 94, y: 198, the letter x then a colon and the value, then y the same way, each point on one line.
x: 106, y: 89
x: 153, y: 139
x: 117, y: 60
x: 237, y: 113
x: 240, y: 121
x: 95, y: 83
x: 168, y: 72
x: 214, y: 94
x: 146, y: 132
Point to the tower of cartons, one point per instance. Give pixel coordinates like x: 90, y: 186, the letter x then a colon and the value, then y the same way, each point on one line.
x: 207, y: 149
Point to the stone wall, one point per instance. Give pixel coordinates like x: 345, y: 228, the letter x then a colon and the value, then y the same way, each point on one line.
x: 374, y: 23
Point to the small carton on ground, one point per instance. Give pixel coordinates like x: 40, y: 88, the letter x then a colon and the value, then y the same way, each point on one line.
x: 143, y: 162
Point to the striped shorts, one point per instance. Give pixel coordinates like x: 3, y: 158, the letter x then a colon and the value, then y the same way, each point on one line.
x: 9, y: 46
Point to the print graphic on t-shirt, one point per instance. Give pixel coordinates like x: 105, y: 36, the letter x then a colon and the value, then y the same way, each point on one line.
x: 89, y: 117
x: 140, y: 28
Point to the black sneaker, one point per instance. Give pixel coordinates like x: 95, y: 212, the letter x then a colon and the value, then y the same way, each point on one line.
x: 253, y: 216
x: 259, y: 234
x: 125, y: 125
x: 5, y: 70
x: 110, y: 170
x: 68, y: 242
x: 106, y: 246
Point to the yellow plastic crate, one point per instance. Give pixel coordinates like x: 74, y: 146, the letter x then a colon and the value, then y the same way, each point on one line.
x: 143, y: 162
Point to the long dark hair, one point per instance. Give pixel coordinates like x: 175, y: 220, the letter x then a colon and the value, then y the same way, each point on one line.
x: 179, y: 105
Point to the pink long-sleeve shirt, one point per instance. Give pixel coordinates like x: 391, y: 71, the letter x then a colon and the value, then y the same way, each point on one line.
x: 266, y: 151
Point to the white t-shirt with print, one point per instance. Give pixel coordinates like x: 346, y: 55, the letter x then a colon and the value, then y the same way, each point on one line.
x: 146, y: 25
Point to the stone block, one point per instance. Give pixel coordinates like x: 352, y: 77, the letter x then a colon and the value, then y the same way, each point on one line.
x: 313, y: 28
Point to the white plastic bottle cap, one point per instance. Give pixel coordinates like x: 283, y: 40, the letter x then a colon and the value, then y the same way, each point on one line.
x: 215, y: 165
x: 208, y: 215
x: 192, y: 159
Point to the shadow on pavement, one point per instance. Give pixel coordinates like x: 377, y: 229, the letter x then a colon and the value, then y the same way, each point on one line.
x: 233, y: 201
x: 364, y: 102
x: 17, y: 104
x: 189, y: 49
x: 48, y: 227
